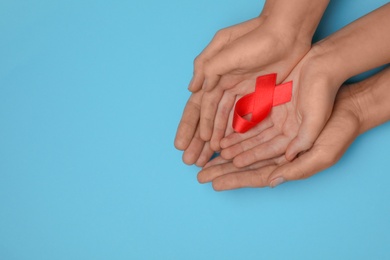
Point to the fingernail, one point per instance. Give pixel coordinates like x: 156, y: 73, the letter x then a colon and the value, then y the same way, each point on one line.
x: 277, y: 182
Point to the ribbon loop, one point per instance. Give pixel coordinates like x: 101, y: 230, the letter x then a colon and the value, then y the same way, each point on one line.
x: 260, y: 102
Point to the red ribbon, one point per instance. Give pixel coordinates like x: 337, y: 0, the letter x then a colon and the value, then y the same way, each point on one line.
x: 260, y: 102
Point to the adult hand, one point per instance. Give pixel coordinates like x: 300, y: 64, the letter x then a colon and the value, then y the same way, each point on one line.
x: 262, y: 50
x: 292, y: 127
x: 232, y: 71
x: 340, y: 131
x: 273, y: 42
x: 296, y: 125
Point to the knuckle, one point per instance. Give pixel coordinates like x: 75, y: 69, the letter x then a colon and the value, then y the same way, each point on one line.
x: 198, y: 63
x: 220, y: 35
x: 207, y: 69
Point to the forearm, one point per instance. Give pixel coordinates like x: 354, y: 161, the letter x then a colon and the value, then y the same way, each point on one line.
x: 372, y: 100
x: 299, y: 16
x: 360, y: 46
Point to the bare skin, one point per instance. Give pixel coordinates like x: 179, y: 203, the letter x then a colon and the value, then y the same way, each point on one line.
x: 295, y: 126
x: 358, y: 108
x: 273, y: 42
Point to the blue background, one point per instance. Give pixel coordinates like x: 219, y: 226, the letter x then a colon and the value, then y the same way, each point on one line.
x: 91, y: 93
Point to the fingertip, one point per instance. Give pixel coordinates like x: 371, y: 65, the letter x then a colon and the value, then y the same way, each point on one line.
x: 196, y: 82
x: 276, y: 182
x: 205, y: 134
x: 296, y: 146
x: 229, y: 140
x: 194, y: 88
x: 188, y: 158
x: 205, y: 176
x: 180, y: 144
x: 218, y: 185
x: 200, y: 177
x: 190, y: 85
x: 292, y: 149
x: 239, y: 162
x: 200, y: 163
x: 290, y: 155
x: 224, y: 143
x: 207, y: 165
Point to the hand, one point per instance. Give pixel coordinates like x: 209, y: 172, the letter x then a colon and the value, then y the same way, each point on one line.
x: 235, y: 68
x: 187, y: 137
x: 263, y: 49
x: 292, y: 127
x: 331, y: 62
x: 273, y: 42
x: 188, y: 132
x: 340, y: 131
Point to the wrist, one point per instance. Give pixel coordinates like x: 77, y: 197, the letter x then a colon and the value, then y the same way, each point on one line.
x: 370, y: 100
x: 324, y: 61
x: 299, y: 17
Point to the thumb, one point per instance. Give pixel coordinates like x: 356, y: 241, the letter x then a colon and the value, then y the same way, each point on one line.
x: 308, y: 132
x: 302, y: 167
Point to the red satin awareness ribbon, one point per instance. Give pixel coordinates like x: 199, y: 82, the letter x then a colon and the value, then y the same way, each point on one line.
x: 260, y: 102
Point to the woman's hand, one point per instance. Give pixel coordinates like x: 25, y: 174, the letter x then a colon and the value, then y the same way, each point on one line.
x: 358, y: 108
x: 229, y: 65
x: 341, y: 130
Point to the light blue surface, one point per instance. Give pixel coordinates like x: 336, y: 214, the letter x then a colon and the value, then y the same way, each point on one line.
x: 90, y: 96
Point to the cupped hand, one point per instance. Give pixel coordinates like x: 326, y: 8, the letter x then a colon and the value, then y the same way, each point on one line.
x: 340, y: 131
x: 188, y: 133
x: 227, y: 69
x: 235, y: 68
x: 293, y: 127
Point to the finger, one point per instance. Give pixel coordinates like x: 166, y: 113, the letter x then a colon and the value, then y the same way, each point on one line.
x: 210, y: 173
x: 229, y: 81
x: 209, y: 106
x: 236, y: 138
x: 273, y: 148
x: 192, y: 153
x: 216, y: 44
x: 222, y: 167
x: 250, y: 178
x: 205, y: 155
x: 215, y: 161
x: 315, y: 104
x: 302, y: 167
x: 220, y: 64
x: 219, y: 41
x: 197, y: 79
x: 189, y: 122
x: 308, y: 132
x: 221, y: 120
x: 229, y: 128
x: 250, y: 143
